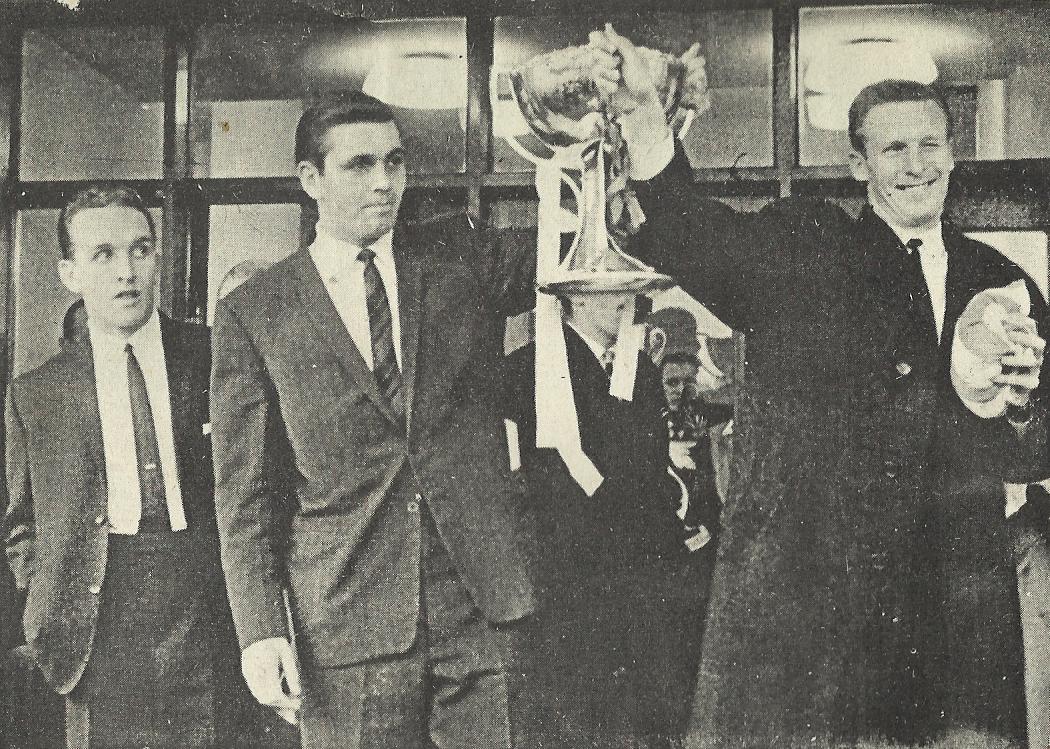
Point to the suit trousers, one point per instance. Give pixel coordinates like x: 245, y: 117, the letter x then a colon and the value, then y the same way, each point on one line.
x: 460, y: 685
x: 149, y: 680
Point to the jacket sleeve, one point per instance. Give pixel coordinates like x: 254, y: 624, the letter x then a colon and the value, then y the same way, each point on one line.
x: 706, y: 246
x: 19, y: 526
x: 510, y: 259
x: 243, y: 405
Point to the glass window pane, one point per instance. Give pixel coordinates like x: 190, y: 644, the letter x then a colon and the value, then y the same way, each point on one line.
x: 994, y: 66
x: 243, y: 239
x: 738, y: 47
x: 41, y: 300
x: 248, y: 83
x: 92, y: 104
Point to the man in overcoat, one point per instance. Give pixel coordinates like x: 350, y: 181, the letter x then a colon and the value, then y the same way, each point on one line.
x: 866, y: 588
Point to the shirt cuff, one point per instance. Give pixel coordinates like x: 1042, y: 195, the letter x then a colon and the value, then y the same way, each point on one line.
x: 650, y: 141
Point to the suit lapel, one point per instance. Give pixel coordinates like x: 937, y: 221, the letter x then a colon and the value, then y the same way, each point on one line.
x: 410, y: 301
x: 899, y: 287
x: 179, y: 367
x: 329, y: 325
x: 85, y: 398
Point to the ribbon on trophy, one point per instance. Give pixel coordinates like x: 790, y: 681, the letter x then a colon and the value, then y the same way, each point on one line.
x: 567, y: 131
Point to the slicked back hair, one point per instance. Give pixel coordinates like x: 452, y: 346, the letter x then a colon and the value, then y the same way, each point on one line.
x: 98, y: 196
x: 329, y: 111
x: 889, y: 92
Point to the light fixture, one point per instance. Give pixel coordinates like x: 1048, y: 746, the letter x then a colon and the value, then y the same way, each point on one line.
x: 419, y: 80
x: 838, y: 72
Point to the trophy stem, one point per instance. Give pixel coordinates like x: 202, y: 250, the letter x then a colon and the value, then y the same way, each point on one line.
x: 592, y: 244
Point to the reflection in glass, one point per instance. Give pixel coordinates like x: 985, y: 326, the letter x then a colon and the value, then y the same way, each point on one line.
x: 248, y: 84
x: 243, y: 239
x: 738, y: 45
x: 41, y: 300
x: 92, y: 104
x: 992, y: 64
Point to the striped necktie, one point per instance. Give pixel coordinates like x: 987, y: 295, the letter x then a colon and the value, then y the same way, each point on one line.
x: 147, y: 451
x: 380, y: 323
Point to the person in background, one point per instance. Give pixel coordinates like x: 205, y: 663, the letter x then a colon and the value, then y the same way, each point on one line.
x: 618, y: 611
x: 109, y: 526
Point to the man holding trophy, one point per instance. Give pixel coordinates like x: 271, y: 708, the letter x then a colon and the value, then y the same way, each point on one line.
x: 865, y: 593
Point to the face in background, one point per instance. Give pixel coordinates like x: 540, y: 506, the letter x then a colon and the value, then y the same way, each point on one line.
x: 680, y: 386
x: 359, y: 189
x: 598, y: 315
x: 113, y: 267
x: 906, y: 162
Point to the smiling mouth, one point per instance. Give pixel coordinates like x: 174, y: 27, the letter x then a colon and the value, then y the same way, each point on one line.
x: 905, y: 188
x: 128, y: 296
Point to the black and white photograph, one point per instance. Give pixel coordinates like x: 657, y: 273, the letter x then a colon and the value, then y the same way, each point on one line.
x: 524, y: 374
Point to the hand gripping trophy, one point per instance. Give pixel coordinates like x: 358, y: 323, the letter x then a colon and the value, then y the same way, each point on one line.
x: 572, y: 132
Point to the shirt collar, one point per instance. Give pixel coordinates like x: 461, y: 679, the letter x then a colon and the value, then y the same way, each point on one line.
x: 932, y: 239
x: 147, y: 335
x: 333, y: 256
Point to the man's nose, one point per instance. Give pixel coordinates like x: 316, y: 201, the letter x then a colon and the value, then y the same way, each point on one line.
x: 125, y: 268
x: 916, y: 164
x: 381, y: 177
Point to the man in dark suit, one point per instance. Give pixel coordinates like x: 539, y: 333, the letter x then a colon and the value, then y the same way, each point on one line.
x: 621, y: 585
x: 866, y: 589
x: 367, y: 366
x: 110, y: 526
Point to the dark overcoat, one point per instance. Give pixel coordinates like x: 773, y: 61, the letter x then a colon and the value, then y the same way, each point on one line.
x: 865, y: 586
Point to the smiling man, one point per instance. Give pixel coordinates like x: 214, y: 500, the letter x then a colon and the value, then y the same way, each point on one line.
x: 110, y: 524
x: 866, y: 590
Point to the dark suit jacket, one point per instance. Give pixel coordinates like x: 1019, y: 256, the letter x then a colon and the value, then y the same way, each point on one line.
x: 294, y: 406
x: 55, y: 527
x: 865, y: 585
x: 629, y: 526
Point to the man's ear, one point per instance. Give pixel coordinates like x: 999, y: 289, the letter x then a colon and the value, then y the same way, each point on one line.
x: 67, y: 273
x: 309, y: 175
x: 858, y: 166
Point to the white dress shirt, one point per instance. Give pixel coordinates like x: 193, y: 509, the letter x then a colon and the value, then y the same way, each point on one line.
x: 118, y: 430
x: 344, y: 280
x: 934, y: 260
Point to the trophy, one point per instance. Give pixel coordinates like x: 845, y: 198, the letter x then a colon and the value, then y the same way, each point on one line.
x: 573, y: 130
x: 555, y: 117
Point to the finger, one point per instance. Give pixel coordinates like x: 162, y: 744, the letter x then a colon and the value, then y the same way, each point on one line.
x: 1016, y: 319
x: 1025, y: 359
x: 600, y: 40
x: 1021, y: 380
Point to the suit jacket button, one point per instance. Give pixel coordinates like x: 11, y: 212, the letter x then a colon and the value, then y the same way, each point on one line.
x: 100, y: 520
x: 891, y: 469
x: 413, y: 506
x: 95, y: 589
x: 903, y: 368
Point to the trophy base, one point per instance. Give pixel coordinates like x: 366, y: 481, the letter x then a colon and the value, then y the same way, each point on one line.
x: 607, y: 282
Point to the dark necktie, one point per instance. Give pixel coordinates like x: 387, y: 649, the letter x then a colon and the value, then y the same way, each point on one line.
x: 147, y: 451
x: 380, y: 323
x: 608, y: 356
x: 921, y: 302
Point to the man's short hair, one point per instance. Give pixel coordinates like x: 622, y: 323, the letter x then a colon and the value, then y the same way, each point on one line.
x: 680, y: 357
x: 889, y: 92
x: 329, y: 111
x: 97, y: 196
